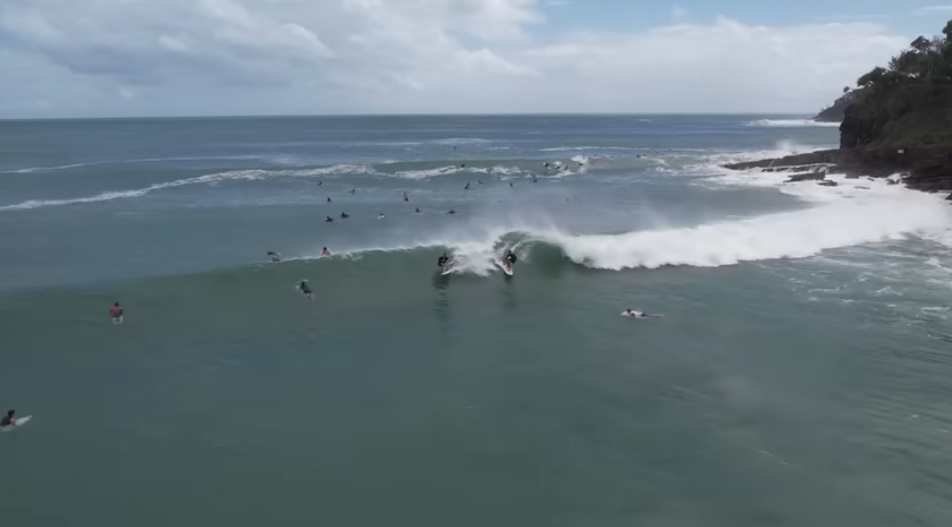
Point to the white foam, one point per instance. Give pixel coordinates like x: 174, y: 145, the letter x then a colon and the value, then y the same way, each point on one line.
x: 791, y: 123
x: 782, y: 149
x: 797, y: 234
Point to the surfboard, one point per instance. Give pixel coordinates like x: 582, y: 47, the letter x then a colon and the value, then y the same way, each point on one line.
x: 507, y: 270
x: 447, y: 270
x: 20, y: 422
x: 643, y: 315
x: 117, y: 320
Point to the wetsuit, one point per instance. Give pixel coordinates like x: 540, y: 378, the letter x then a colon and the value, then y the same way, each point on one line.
x: 6, y: 421
x: 442, y: 261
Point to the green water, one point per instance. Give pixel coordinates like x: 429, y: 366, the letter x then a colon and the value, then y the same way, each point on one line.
x: 775, y: 391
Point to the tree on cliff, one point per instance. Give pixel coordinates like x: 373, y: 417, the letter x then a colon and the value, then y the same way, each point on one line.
x: 908, y: 102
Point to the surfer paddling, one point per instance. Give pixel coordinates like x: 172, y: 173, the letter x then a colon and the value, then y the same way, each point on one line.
x: 638, y: 314
x: 9, y: 419
x: 306, y: 290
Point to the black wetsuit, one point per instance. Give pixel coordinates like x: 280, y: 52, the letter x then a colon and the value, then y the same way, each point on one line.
x: 305, y: 288
x: 5, y: 421
x: 442, y: 261
x: 511, y: 258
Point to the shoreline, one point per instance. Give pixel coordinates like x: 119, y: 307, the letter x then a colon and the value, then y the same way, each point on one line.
x: 927, y: 169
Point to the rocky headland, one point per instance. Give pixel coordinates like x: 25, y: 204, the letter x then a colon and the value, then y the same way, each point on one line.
x: 897, y: 121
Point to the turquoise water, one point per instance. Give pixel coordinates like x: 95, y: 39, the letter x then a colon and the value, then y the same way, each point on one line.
x: 800, y: 375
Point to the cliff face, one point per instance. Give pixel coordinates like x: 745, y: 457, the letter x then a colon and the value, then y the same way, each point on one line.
x: 898, y: 120
x: 837, y: 111
x: 902, y: 117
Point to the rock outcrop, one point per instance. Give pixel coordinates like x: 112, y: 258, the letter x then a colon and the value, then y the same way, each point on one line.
x: 837, y: 111
x: 897, y: 121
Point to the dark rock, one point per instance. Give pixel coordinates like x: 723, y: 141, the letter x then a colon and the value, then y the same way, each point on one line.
x: 809, y: 176
x: 828, y: 183
x: 837, y: 111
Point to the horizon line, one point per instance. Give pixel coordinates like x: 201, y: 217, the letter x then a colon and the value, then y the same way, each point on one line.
x: 434, y: 114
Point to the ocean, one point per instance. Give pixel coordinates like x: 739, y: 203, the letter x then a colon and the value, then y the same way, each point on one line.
x: 801, y: 374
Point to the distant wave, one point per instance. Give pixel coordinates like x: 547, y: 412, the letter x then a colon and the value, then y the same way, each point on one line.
x: 30, y: 170
x: 261, y: 174
x: 791, y: 123
x: 234, y: 175
x: 577, y: 148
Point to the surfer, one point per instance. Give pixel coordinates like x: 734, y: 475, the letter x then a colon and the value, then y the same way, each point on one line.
x: 443, y: 261
x: 275, y: 256
x: 329, y: 200
x: 306, y: 289
x: 417, y: 211
x: 535, y: 179
x: 451, y: 211
x: 405, y: 197
x: 320, y: 183
x: 325, y: 252
x: 380, y: 216
x: 329, y: 220
x: 353, y: 191
x: 510, y: 184
x: 116, y: 312
x: 344, y: 215
x: 510, y: 259
x: 9, y: 419
x: 467, y: 186
x: 639, y: 314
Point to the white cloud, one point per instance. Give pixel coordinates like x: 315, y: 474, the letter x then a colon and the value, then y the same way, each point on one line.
x: 333, y: 56
x: 678, y: 12
x: 931, y: 10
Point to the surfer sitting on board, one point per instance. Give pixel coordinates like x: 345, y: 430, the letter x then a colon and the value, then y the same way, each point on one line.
x: 325, y: 252
x: 638, y: 314
x: 9, y: 419
x: 510, y: 259
x: 275, y: 256
x: 115, y: 312
x: 306, y: 289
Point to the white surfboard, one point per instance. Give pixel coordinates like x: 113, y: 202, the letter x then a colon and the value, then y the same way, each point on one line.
x: 505, y: 269
x: 447, y: 270
x: 117, y: 320
x: 20, y: 422
x: 642, y: 315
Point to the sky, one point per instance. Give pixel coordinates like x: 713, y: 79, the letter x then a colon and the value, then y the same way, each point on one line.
x: 124, y: 58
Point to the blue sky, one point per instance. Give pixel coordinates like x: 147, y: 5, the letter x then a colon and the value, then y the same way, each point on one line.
x: 82, y: 58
